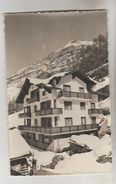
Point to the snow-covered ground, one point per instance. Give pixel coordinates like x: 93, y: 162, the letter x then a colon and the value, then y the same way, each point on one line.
x: 79, y: 163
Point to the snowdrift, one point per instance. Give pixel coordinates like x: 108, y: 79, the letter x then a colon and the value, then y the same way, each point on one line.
x: 86, y: 162
x: 88, y: 140
x: 104, y: 147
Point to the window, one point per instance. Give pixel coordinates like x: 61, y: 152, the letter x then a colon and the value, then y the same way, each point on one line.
x: 92, y: 105
x: 68, y: 121
x: 93, y: 120
x: 32, y: 94
x: 46, y: 122
x: 67, y: 105
x: 37, y: 95
x: 37, y: 137
x: 67, y: 88
x: 82, y: 105
x: 35, y: 108
x: 46, y: 105
x: 24, y: 122
x: 83, y: 120
x: 35, y: 122
x: 44, y: 93
x: 81, y: 89
x: 56, y: 121
x: 28, y: 122
x: 27, y: 109
x: 54, y: 103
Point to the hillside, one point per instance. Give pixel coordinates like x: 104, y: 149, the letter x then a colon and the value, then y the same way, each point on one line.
x: 91, y: 57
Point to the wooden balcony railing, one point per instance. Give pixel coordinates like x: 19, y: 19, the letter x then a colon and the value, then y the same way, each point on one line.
x: 26, y: 114
x: 48, y: 111
x: 95, y: 111
x: 74, y: 94
x: 59, y: 130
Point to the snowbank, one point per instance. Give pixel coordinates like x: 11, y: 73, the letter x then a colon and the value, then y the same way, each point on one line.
x: 104, y: 147
x: 86, y: 162
x: 42, y: 157
x: 108, y: 117
x: 88, y: 140
x: 81, y: 163
x: 17, y: 145
x: 45, y: 157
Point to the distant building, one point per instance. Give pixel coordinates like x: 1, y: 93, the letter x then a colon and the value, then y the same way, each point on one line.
x: 57, y: 107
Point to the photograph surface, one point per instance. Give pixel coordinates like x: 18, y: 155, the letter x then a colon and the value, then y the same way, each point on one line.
x: 59, y: 120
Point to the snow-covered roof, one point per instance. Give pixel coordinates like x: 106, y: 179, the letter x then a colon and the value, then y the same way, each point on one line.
x: 102, y: 84
x: 88, y: 140
x: 78, y: 43
x: 48, y: 82
x: 105, y: 104
x: 45, y: 81
x: 17, y: 144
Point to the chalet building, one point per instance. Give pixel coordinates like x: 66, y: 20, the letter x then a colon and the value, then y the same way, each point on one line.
x: 58, y: 107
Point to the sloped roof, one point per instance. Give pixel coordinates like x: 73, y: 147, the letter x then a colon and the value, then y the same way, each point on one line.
x: 74, y: 74
x: 48, y: 83
x: 18, y: 145
x: 23, y: 91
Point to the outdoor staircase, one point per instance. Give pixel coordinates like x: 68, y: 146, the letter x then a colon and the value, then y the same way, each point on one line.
x: 24, y: 170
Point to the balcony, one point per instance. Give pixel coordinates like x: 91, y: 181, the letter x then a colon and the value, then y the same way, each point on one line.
x: 24, y: 115
x: 48, y: 111
x: 60, y: 130
x: 74, y: 94
x: 95, y: 111
x: 31, y: 100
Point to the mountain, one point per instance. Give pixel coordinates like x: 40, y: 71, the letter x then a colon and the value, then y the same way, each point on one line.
x: 89, y: 56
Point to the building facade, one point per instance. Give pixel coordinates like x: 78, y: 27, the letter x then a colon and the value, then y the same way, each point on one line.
x: 58, y: 107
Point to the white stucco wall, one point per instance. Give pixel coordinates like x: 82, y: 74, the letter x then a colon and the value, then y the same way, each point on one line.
x: 74, y: 83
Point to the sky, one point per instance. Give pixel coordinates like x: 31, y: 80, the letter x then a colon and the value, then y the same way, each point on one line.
x: 30, y: 37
